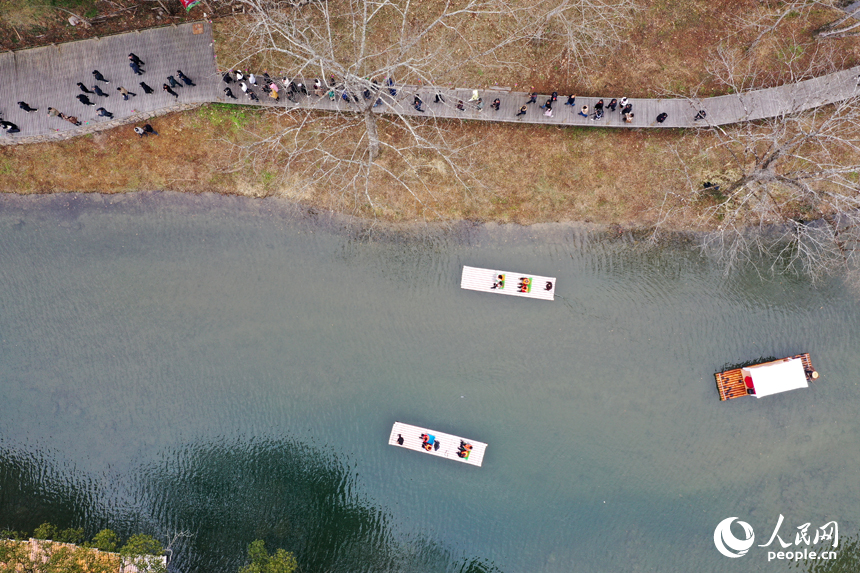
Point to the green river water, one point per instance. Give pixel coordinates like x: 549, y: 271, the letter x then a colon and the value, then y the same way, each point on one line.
x: 232, y: 368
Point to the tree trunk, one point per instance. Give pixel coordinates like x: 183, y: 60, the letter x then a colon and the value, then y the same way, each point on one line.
x: 370, y: 119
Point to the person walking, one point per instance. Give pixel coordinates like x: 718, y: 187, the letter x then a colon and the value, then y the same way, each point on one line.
x: 188, y: 81
x: 132, y: 57
x: 252, y: 79
x: 252, y: 96
x: 99, y: 77
x: 571, y: 99
x: 497, y: 103
x: 229, y: 93
x: 416, y: 103
x: 227, y: 77
x: 148, y: 130
x: 701, y: 115
x: 662, y: 117
x: 627, y: 108
x: 135, y: 68
x: 460, y: 105
x: 532, y: 98
x: 70, y: 118
x: 584, y: 111
x: 53, y: 112
x: 173, y: 83
x: 139, y: 131
x: 475, y: 96
x: 554, y: 97
x: 166, y: 88
x: 548, y: 112
x: 9, y: 127
x: 623, y: 104
x: 598, y: 110
x: 522, y: 111
x: 439, y: 98
x: 98, y: 91
x: 480, y: 105
x: 125, y: 93
x: 84, y: 88
x: 23, y: 105
x: 612, y: 104
x: 104, y: 113
x: 239, y: 76
x: 146, y: 89
x: 84, y: 99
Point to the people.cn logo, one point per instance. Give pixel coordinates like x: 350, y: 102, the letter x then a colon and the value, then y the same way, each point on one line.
x: 727, y: 543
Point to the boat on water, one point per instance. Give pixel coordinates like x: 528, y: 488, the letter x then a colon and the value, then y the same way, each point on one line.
x: 767, y: 378
x: 507, y: 282
x: 435, y: 443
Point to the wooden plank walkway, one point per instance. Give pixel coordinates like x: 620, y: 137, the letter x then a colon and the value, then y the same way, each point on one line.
x: 449, y: 444
x: 48, y: 76
x: 721, y: 110
x: 506, y: 282
x: 730, y: 384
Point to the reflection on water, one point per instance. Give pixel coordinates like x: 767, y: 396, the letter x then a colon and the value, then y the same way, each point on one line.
x: 233, y: 368
x: 288, y: 494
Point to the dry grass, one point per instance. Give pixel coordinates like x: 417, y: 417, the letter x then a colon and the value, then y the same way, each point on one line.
x: 529, y: 174
x: 667, y: 49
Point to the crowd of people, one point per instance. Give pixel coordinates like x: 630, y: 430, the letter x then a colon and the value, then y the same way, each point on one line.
x: 97, y: 90
x: 255, y: 86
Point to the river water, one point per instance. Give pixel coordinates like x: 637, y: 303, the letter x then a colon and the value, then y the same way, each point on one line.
x: 231, y: 369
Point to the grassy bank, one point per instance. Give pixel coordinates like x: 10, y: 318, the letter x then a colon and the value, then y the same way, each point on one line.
x: 529, y: 174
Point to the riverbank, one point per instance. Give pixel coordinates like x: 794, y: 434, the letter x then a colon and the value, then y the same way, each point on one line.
x: 529, y: 174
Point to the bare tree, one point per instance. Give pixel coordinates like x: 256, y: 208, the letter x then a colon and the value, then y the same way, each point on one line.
x: 785, y: 189
x: 847, y: 25
x: 846, y: 21
x: 584, y: 30
x: 377, y: 138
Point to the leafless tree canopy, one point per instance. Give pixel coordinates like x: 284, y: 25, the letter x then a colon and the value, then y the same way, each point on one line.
x: 786, y: 189
x: 354, y: 46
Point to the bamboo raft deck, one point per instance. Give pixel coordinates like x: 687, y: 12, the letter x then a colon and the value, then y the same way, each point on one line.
x: 487, y: 280
x: 449, y: 444
x: 730, y: 383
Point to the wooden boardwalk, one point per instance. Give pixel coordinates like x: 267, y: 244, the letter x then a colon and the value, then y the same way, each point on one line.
x: 449, y: 444
x: 681, y: 113
x: 47, y: 76
x: 506, y: 282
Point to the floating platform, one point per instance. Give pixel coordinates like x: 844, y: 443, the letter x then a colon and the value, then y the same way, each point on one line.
x: 768, y: 378
x: 441, y: 445
x: 507, y: 282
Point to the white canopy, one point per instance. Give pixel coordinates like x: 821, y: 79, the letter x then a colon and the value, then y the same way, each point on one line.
x: 775, y: 377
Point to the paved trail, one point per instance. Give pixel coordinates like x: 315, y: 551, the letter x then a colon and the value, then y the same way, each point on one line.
x: 48, y: 76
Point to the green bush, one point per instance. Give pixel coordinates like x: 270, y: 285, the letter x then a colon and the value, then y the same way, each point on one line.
x: 261, y: 562
x: 71, y: 535
x: 141, y: 544
x: 105, y: 540
x: 45, y: 531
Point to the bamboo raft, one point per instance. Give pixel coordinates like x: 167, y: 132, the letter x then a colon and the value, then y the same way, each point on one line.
x: 730, y: 383
x: 442, y: 445
x: 505, y: 282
